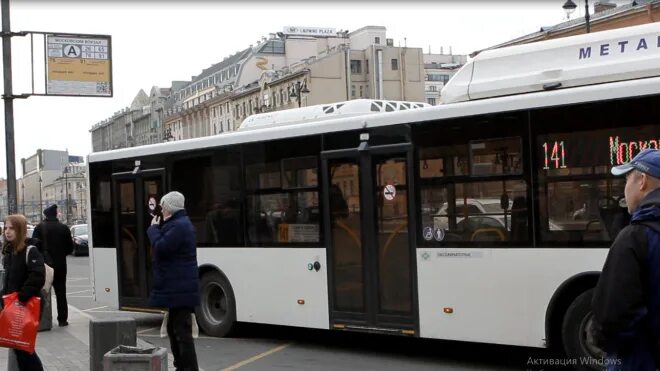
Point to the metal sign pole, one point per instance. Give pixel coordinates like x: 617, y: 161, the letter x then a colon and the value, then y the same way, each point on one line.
x: 9, y: 109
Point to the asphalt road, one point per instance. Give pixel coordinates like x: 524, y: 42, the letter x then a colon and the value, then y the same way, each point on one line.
x: 262, y: 347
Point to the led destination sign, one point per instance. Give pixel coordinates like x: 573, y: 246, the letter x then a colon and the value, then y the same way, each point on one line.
x: 622, y: 152
x: 599, y: 148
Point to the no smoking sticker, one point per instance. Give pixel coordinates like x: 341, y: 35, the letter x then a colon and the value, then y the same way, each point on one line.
x: 389, y: 192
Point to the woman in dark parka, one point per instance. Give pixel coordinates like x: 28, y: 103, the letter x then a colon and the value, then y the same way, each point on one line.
x: 176, y: 277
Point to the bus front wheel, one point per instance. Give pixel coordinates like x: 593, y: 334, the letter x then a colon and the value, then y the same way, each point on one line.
x: 576, y: 335
x: 216, y: 313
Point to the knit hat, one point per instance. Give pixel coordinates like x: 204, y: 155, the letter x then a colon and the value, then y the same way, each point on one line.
x: 172, y: 202
x: 51, y: 211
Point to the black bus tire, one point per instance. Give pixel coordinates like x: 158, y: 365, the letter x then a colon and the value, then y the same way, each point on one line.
x: 575, y: 334
x: 216, y: 314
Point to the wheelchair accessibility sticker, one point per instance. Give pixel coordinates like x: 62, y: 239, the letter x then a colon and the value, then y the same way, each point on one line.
x: 433, y: 233
x: 428, y: 233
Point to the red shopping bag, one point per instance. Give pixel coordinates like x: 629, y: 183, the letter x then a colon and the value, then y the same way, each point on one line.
x: 19, y: 323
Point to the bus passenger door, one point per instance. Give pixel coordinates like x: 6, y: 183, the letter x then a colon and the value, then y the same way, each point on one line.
x: 136, y: 195
x: 371, y: 248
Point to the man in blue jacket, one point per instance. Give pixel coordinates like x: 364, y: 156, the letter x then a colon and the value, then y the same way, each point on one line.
x: 626, y: 301
x: 176, y: 278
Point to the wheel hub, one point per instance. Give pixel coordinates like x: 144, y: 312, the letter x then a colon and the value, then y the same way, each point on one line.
x: 214, y: 303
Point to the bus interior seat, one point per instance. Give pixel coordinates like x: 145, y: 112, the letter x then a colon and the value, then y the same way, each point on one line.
x: 614, y: 217
x: 488, y: 234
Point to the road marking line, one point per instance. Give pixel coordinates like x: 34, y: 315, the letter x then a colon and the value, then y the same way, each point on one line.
x: 78, y: 292
x: 77, y: 279
x: 87, y: 315
x: 257, y: 357
x: 93, y: 309
x: 158, y: 335
x: 110, y: 311
x: 147, y: 330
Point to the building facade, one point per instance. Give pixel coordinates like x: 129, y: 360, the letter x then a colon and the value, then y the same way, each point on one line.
x: 40, y: 171
x: 361, y: 64
x: 438, y: 69
x: 4, y: 199
x: 137, y: 125
x: 68, y: 191
x: 323, y: 65
x: 607, y: 16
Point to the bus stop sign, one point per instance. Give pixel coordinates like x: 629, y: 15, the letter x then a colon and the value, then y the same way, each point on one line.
x: 78, y: 65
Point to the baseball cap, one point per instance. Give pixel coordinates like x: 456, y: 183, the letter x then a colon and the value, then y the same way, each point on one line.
x: 647, y: 161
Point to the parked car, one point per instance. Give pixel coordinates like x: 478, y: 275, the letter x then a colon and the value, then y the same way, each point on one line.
x: 80, y: 240
x: 472, y: 207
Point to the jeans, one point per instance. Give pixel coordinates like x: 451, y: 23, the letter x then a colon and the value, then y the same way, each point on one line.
x: 59, y: 284
x: 27, y: 361
x: 179, y: 330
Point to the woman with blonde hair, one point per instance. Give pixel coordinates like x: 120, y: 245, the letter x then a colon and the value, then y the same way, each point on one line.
x: 24, y: 273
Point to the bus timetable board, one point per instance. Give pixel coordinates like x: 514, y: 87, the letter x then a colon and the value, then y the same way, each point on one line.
x: 79, y: 65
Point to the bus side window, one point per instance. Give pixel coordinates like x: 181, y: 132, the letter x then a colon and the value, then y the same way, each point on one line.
x: 282, y: 192
x: 211, y: 186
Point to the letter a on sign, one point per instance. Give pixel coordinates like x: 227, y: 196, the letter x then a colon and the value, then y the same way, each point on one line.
x: 71, y: 51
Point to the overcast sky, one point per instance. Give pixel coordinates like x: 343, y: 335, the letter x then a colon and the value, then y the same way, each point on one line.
x: 154, y: 43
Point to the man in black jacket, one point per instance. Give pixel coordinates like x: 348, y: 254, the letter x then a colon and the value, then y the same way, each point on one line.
x: 626, y: 301
x: 56, y: 244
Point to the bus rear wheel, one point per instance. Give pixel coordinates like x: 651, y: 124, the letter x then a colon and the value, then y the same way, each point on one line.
x: 216, y: 313
x: 576, y: 335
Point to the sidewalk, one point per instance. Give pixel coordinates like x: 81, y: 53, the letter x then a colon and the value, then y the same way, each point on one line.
x: 67, y: 348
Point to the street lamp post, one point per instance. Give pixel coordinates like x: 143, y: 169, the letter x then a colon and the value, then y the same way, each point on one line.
x: 66, y: 193
x: 297, y: 90
x: 41, y: 206
x: 569, y: 7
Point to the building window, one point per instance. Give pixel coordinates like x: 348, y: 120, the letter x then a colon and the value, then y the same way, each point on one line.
x: 438, y: 77
x: 433, y: 88
x: 356, y: 66
x: 377, y: 40
x: 352, y: 91
x: 431, y: 101
x: 395, y: 64
x: 361, y: 92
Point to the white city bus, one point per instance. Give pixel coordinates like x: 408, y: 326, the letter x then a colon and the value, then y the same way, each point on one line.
x: 485, y: 219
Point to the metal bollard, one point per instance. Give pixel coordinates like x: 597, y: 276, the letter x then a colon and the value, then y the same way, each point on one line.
x: 107, y: 334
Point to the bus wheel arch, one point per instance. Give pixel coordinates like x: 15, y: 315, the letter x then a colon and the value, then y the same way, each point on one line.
x: 216, y: 313
x: 569, y: 299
